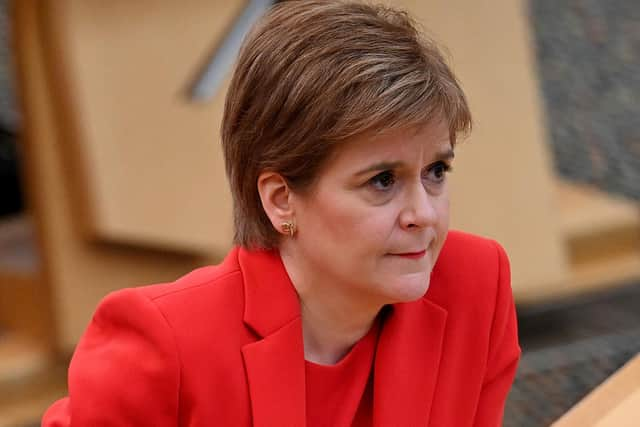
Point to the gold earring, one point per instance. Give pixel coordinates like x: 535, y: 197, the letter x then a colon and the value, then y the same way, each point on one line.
x: 289, y: 227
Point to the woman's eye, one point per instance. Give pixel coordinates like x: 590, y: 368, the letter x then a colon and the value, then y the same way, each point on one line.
x: 383, y: 181
x: 437, y: 172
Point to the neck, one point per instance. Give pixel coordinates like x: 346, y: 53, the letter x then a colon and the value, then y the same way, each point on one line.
x: 333, y: 319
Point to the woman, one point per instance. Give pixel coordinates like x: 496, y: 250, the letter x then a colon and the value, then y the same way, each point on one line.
x: 339, y: 129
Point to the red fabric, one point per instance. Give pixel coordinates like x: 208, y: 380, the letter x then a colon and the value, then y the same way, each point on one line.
x: 337, y: 395
x: 223, y: 346
x: 364, y: 416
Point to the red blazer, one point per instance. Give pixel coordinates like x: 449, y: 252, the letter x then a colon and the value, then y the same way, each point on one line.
x: 222, y: 346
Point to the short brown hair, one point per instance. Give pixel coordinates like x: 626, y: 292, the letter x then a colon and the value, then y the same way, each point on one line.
x: 312, y: 74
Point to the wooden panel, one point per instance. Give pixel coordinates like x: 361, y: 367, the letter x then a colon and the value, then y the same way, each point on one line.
x: 586, y: 210
x: 614, y: 403
x: 146, y: 160
x: 77, y: 273
x: 502, y: 184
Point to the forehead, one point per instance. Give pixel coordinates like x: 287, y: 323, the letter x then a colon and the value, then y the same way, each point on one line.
x: 405, y: 144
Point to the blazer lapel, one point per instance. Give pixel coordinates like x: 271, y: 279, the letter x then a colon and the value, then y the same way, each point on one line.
x: 407, y: 363
x: 275, y: 363
x: 275, y: 371
x: 407, y: 356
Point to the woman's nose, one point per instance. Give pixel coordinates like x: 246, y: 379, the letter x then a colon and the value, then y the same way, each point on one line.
x: 419, y: 209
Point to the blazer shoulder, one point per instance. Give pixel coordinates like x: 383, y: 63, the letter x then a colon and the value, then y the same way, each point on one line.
x: 468, y: 267
x: 196, y: 280
x: 464, y: 250
x: 462, y: 241
x: 206, y: 287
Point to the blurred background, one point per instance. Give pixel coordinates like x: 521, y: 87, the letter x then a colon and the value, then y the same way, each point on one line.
x: 111, y: 176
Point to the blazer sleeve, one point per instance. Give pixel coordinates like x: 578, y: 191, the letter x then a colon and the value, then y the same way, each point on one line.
x: 504, y: 351
x: 125, y: 370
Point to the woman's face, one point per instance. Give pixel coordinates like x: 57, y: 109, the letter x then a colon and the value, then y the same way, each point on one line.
x: 376, y: 219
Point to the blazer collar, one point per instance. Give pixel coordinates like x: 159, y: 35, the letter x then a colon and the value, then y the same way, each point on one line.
x: 275, y: 363
x: 271, y: 300
x: 407, y: 356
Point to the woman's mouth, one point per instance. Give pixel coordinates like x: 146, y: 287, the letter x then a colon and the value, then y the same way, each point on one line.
x: 411, y: 255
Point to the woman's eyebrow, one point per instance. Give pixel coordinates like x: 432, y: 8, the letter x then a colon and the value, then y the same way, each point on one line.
x: 381, y: 166
x: 447, y: 154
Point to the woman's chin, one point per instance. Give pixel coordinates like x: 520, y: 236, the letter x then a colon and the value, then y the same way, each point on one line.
x: 409, y: 288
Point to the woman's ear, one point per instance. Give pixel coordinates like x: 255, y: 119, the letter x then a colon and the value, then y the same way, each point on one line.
x: 276, y: 198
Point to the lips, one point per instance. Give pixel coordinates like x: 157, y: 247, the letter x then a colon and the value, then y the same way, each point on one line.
x: 412, y: 255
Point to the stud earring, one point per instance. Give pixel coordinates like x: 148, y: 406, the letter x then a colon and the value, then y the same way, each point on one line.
x: 289, y: 227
